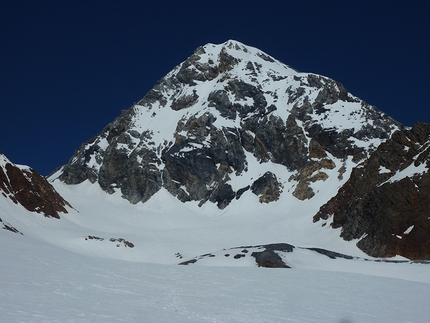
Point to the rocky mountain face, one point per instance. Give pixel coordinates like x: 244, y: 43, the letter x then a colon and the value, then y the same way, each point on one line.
x: 228, y: 120
x: 386, y: 201
x: 24, y: 186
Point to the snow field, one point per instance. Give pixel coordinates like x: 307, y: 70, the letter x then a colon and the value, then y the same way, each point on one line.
x: 42, y: 283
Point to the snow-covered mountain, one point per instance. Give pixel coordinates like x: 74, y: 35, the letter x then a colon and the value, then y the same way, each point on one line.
x: 231, y: 132
x: 233, y: 159
x: 231, y: 126
x: 228, y: 121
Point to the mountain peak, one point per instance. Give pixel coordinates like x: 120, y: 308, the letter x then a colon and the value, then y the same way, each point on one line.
x: 213, y: 128
x: 231, y: 43
x: 235, y: 55
x: 232, y: 46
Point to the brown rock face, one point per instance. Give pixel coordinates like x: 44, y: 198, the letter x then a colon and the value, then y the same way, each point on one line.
x: 26, y: 187
x: 386, y: 201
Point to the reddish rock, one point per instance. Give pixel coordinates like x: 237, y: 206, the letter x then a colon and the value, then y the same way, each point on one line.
x: 27, y: 187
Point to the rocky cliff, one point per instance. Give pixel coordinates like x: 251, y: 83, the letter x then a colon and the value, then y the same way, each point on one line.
x: 24, y: 186
x: 203, y: 128
x: 386, y: 202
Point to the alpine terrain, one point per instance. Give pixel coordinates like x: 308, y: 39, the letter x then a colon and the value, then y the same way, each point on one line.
x: 232, y: 159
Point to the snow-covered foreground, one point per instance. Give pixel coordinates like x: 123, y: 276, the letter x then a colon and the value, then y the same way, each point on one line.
x: 55, y: 272
x: 42, y: 283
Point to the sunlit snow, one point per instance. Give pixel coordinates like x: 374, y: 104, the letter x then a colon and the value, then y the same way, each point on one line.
x: 43, y: 283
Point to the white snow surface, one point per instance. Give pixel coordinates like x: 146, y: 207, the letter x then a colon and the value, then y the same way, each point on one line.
x: 42, y: 280
x: 43, y: 283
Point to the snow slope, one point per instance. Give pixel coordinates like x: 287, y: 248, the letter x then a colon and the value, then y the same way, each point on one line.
x: 166, y: 231
x: 42, y: 283
x: 163, y: 226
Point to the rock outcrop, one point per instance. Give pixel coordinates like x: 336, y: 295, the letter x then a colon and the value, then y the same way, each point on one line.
x: 6, y: 226
x: 386, y: 202
x: 279, y: 255
x: 23, y: 185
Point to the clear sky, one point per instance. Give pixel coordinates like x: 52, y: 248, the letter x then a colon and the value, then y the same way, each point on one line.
x: 68, y: 68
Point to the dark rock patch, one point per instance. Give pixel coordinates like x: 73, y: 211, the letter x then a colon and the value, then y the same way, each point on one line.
x: 207, y: 255
x: 267, y: 188
x: 123, y: 241
x: 269, y: 258
x: 118, y: 241
x: 284, y: 247
x: 330, y: 254
x: 94, y: 238
x: 241, y: 191
x: 192, y: 261
x: 8, y: 227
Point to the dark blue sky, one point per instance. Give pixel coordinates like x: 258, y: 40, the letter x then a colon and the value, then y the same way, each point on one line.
x: 68, y: 68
